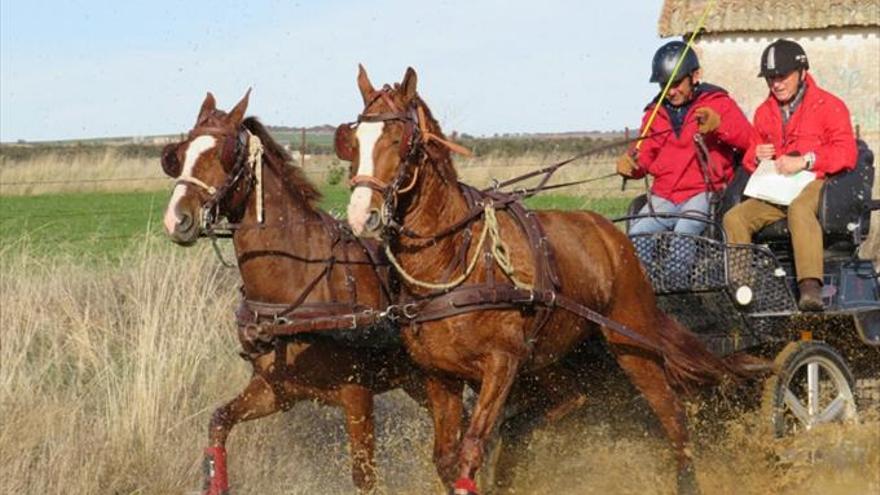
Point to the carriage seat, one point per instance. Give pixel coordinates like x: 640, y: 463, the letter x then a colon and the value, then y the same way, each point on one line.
x: 842, y: 202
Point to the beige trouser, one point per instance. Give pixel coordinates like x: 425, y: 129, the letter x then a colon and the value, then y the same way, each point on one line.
x: 752, y: 215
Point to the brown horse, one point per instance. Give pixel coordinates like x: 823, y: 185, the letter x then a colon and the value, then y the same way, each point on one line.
x: 406, y: 190
x: 296, y: 265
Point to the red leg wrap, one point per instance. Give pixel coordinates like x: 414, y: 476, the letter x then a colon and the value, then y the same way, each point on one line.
x: 465, y: 486
x: 216, y: 480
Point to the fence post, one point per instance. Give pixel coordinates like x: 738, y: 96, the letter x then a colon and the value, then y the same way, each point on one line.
x: 302, y: 149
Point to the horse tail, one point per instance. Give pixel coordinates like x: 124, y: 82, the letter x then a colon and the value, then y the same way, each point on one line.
x: 689, y: 364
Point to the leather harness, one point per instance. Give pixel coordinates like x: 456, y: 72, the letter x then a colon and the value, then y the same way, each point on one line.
x: 261, y: 324
x: 542, y: 298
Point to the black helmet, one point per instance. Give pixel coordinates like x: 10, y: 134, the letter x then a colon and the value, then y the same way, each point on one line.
x: 667, y: 56
x: 782, y: 57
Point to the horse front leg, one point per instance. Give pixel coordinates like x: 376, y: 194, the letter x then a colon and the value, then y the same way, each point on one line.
x: 445, y: 403
x: 255, y: 401
x: 357, y: 401
x: 498, y: 374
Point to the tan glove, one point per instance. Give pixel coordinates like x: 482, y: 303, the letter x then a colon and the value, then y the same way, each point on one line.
x: 707, y: 120
x: 626, y: 165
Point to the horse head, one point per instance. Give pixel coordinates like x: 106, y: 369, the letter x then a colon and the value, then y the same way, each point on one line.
x: 393, y: 138
x: 212, y: 176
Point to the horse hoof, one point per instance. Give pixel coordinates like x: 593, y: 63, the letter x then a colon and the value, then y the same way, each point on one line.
x: 214, y: 466
x: 465, y: 486
x: 687, y: 482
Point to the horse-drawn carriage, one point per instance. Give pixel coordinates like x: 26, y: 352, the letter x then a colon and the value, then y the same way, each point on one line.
x: 515, y: 290
x: 741, y: 298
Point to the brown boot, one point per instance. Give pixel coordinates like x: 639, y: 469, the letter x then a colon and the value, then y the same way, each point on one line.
x: 811, y: 295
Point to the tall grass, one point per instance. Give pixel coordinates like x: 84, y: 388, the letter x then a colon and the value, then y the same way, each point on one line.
x: 109, y: 375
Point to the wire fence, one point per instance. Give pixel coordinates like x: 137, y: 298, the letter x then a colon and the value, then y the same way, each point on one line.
x: 81, y: 181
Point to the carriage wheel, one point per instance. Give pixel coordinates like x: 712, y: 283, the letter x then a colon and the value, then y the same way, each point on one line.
x: 813, y: 385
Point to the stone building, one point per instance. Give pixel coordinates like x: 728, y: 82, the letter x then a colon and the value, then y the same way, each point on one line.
x: 841, y: 38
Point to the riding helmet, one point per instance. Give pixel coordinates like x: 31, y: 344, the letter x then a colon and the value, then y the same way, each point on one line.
x: 667, y: 57
x: 782, y: 57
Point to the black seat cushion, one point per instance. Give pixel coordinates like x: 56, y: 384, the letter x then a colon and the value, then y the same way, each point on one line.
x: 844, y: 195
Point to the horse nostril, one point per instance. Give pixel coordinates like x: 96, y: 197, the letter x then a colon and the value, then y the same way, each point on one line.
x: 373, y: 220
x: 185, y: 223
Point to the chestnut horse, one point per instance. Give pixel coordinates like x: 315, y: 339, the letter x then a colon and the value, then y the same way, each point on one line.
x: 296, y: 264
x: 407, y: 191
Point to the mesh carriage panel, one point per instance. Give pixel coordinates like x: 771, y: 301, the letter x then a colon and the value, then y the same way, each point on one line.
x: 680, y: 262
x: 696, y: 279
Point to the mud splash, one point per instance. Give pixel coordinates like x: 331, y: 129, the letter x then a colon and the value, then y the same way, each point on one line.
x: 601, y: 449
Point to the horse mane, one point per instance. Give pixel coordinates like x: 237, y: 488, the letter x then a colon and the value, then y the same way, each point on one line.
x: 440, y: 153
x: 281, y: 161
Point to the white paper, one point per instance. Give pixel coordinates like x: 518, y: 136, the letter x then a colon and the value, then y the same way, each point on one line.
x: 768, y: 184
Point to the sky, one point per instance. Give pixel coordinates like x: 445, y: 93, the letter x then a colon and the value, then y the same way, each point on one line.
x: 81, y: 69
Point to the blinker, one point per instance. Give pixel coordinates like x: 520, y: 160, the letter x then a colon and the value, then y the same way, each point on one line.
x: 170, y: 164
x: 343, y: 141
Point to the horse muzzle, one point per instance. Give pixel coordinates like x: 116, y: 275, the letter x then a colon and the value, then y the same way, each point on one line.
x: 372, y: 226
x: 185, y: 230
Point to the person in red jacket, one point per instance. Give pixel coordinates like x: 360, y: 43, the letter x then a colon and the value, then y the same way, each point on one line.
x: 801, y: 127
x: 683, y: 179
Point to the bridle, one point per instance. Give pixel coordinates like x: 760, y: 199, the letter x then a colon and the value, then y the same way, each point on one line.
x: 412, y: 151
x: 242, y: 176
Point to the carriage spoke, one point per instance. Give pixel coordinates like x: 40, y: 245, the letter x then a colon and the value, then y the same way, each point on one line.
x: 813, y: 389
x: 795, y: 406
x: 835, y: 410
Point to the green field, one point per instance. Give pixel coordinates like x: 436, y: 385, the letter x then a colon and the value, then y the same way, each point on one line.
x: 103, y: 225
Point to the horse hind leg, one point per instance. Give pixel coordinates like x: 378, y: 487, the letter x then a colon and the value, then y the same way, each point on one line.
x: 357, y: 401
x: 649, y: 377
x: 255, y: 401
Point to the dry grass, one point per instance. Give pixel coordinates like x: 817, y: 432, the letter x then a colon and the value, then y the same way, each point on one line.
x: 109, y: 375
x: 110, y: 170
x: 107, y: 170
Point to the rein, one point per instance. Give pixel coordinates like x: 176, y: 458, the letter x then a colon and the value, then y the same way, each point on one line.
x: 509, y: 197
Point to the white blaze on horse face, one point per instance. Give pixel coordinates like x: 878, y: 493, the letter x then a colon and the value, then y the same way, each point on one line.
x: 194, y: 150
x: 367, y: 134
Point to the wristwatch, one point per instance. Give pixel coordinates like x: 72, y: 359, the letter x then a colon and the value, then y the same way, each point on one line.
x: 809, y: 160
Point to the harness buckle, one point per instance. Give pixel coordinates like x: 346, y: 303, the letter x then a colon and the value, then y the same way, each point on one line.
x: 390, y: 312
x: 280, y: 320
x: 410, y: 311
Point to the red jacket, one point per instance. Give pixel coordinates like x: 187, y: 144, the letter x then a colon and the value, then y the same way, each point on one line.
x: 672, y: 160
x: 820, y: 124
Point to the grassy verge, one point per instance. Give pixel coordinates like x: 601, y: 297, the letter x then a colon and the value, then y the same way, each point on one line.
x: 80, y: 224
x: 102, y: 225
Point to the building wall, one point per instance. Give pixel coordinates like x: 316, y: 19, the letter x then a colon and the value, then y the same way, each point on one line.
x: 844, y: 61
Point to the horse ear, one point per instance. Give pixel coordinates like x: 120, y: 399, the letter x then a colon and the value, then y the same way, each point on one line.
x: 209, y: 105
x: 409, y: 84
x: 365, y: 85
x: 236, y: 115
